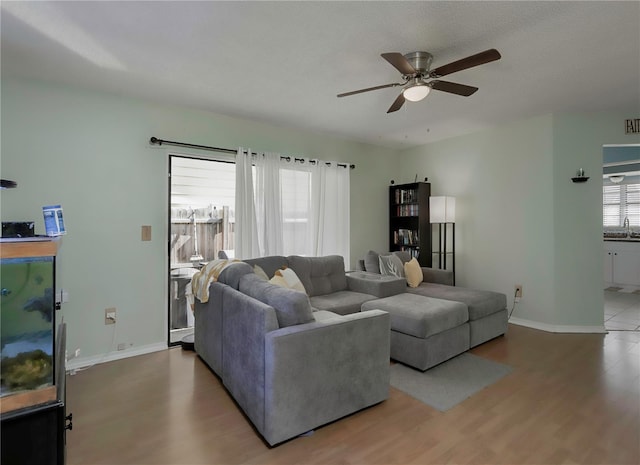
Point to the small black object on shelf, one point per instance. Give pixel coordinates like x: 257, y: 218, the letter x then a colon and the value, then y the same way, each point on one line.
x: 580, y: 179
x: 7, y: 184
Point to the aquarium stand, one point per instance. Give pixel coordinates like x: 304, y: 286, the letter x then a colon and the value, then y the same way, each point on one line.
x: 33, y: 418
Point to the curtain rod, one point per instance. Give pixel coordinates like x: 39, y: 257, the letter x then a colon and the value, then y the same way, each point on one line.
x: 155, y: 140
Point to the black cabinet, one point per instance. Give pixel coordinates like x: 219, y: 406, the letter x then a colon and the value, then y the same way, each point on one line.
x: 409, y: 227
x: 36, y: 435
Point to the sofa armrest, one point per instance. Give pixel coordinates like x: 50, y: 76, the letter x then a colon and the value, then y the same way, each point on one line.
x: 318, y: 372
x: 436, y: 276
x: 375, y: 284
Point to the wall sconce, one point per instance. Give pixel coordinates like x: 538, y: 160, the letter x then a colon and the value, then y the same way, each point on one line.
x: 580, y: 177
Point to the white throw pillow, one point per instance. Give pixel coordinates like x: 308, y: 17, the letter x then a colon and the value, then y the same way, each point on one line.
x: 260, y: 272
x: 391, y: 265
x: 288, y: 278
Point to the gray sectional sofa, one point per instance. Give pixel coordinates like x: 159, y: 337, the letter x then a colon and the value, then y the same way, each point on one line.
x: 436, y: 304
x: 289, y: 368
x: 294, y: 360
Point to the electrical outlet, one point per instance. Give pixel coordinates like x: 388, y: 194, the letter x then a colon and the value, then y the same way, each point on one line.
x: 62, y: 296
x: 518, y: 293
x: 109, y: 316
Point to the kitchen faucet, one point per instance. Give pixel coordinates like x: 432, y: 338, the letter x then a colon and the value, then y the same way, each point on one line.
x: 626, y: 225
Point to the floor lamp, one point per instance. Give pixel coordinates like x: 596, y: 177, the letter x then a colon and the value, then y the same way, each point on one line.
x: 442, y: 211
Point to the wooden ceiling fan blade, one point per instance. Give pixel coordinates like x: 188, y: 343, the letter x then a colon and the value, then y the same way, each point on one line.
x: 368, y: 89
x: 469, y: 62
x: 399, y: 62
x: 397, y: 104
x: 453, y: 88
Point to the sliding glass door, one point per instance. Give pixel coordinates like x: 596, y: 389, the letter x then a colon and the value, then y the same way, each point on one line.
x: 201, y: 225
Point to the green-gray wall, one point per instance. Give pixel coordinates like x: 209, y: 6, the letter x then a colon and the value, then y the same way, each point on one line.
x: 519, y: 217
x: 89, y: 152
x: 520, y: 220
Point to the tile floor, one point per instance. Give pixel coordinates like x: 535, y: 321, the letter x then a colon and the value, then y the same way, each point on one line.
x: 622, y: 309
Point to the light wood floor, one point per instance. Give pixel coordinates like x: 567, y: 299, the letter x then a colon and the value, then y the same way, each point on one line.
x: 571, y: 399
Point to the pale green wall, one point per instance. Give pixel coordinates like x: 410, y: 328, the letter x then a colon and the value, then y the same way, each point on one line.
x: 89, y: 152
x: 520, y: 219
x: 577, y: 143
x: 504, y: 209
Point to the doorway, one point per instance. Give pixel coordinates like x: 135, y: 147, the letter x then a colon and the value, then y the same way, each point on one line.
x: 201, y: 224
x: 621, y: 227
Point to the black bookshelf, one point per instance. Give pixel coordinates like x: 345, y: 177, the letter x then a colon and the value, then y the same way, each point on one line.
x: 409, y: 227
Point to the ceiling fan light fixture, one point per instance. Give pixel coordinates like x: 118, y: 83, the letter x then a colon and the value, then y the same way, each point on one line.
x: 616, y: 179
x: 416, y: 91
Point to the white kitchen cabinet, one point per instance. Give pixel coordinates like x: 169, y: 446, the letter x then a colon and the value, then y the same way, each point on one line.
x: 622, y: 263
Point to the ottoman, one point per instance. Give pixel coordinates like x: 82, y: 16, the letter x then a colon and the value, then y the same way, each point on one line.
x: 425, y: 331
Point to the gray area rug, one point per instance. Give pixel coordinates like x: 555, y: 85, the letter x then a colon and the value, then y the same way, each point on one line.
x: 446, y: 385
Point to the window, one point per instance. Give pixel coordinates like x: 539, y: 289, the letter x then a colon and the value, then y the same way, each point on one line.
x: 621, y: 201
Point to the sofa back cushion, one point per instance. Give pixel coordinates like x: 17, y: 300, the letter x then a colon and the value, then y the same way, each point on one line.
x: 292, y: 307
x: 232, y: 273
x: 269, y: 264
x: 320, y: 275
x: 403, y: 255
x: 371, y: 263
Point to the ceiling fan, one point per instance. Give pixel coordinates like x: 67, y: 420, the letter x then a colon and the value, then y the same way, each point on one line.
x: 415, y: 70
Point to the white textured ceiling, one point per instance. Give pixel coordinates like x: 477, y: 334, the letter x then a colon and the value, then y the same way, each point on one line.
x: 284, y: 62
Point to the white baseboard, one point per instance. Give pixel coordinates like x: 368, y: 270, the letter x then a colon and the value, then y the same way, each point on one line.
x: 84, y: 362
x: 558, y: 328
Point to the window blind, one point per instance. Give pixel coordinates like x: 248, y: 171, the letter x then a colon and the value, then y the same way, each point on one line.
x: 619, y: 202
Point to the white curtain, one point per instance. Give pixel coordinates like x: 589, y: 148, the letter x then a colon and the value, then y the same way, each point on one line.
x: 291, y: 208
x: 268, y: 212
x: 330, y: 210
x: 246, y: 229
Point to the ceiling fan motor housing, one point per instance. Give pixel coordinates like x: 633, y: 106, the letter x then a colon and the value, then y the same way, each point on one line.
x: 421, y: 61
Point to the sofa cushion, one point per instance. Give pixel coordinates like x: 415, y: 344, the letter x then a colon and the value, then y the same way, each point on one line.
x: 391, y: 265
x: 320, y: 275
x: 257, y: 269
x: 371, y: 263
x: 292, y: 307
x: 480, y: 303
x: 269, y: 264
x: 233, y: 272
x: 420, y: 316
x: 324, y: 315
x: 403, y: 255
x: 341, y: 302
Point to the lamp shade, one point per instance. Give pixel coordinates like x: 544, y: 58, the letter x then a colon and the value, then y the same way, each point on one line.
x: 416, y: 92
x: 442, y: 209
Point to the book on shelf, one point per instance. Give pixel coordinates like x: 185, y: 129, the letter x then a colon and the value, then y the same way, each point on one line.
x: 406, y: 196
x: 407, y: 210
x: 406, y: 237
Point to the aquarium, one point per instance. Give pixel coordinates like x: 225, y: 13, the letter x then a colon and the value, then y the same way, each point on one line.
x: 27, y: 308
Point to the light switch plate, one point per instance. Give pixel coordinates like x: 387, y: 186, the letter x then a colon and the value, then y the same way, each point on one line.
x: 146, y: 233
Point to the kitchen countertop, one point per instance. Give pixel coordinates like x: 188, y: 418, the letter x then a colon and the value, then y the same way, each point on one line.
x: 622, y: 239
